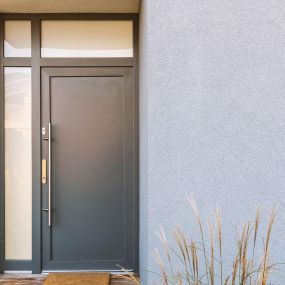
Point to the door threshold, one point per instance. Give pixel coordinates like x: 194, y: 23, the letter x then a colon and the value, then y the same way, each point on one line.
x: 112, y: 272
x: 17, y: 272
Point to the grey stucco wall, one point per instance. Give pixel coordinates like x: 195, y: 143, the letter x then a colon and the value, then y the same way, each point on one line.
x: 212, y: 115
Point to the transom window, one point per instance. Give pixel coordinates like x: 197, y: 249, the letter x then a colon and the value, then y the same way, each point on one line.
x: 71, y: 38
x: 17, y: 38
x: 86, y: 39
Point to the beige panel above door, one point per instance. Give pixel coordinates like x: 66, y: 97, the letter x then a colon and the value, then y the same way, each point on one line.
x: 69, y: 6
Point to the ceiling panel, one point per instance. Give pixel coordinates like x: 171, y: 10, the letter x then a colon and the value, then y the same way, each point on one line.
x: 69, y: 6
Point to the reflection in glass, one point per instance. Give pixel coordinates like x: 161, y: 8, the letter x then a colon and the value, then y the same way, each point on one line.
x: 18, y: 194
x: 17, y: 42
x: 87, y: 38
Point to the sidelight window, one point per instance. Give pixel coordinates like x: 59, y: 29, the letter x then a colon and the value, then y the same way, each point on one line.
x: 18, y: 168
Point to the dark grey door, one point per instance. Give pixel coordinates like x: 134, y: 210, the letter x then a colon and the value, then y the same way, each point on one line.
x: 90, y: 187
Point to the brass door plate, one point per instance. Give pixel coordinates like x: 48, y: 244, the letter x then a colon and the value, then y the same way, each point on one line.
x: 44, y: 171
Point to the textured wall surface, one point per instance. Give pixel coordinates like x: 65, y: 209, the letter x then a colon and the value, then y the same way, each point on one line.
x: 143, y: 104
x: 212, y: 115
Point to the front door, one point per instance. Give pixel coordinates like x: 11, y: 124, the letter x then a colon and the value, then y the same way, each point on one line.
x: 88, y: 157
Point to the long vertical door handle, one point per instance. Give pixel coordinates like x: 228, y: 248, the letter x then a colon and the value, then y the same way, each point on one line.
x: 49, y: 173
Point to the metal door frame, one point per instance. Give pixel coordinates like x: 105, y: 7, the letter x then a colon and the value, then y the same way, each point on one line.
x: 36, y: 63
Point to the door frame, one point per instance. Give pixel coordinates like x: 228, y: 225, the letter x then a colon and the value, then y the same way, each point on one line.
x: 36, y: 63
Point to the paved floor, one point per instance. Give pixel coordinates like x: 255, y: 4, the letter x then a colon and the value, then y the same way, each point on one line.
x: 14, y: 279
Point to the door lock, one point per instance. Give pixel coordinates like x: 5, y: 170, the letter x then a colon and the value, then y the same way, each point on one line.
x: 44, y: 131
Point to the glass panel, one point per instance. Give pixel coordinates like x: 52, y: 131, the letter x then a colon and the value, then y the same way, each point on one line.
x: 17, y: 41
x: 87, y: 39
x: 18, y: 169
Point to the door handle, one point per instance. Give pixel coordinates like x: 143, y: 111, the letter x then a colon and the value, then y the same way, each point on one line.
x: 49, y: 172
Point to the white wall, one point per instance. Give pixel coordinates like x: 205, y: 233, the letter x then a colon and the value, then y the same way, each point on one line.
x: 212, y: 114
